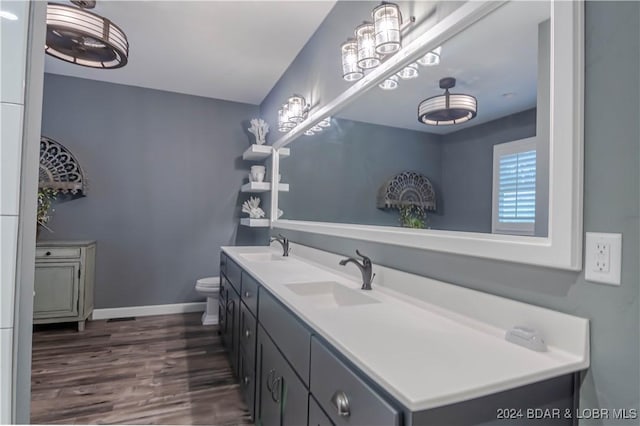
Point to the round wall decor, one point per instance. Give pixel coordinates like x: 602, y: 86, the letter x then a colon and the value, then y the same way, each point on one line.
x: 59, y: 169
x: 407, y: 189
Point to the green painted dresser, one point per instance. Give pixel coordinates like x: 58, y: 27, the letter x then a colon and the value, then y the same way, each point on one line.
x: 64, y: 280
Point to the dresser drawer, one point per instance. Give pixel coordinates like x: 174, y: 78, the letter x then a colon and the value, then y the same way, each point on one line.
x: 57, y: 253
x: 288, y: 333
x: 332, y: 380
x: 317, y: 417
x: 233, y: 273
x: 250, y: 293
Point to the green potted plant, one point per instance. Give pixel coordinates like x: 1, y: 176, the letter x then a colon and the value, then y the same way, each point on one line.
x: 413, y: 216
x: 45, y: 199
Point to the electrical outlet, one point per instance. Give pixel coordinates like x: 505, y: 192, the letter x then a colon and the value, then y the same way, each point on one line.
x: 603, y: 258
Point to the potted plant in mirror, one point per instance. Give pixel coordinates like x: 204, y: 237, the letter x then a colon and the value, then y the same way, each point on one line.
x: 45, y: 199
x: 413, y: 216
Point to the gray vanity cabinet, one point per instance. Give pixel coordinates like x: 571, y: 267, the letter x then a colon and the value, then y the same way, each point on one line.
x: 229, y: 310
x: 317, y: 417
x: 343, y: 395
x: 64, y: 281
x: 281, y: 397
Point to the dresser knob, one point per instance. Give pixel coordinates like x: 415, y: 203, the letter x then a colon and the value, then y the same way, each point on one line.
x: 48, y: 253
x: 247, y: 294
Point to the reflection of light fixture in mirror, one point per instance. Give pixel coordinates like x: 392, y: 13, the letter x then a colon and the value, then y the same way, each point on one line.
x: 350, y: 69
x: 284, y: 125
x: 297, y: 108
x: 316, y: 128
x: 367, y: 56
x: 389, y: 83
x: 8, y: 15
x: 447, y: 108
x: 386, y: 21
x: 325, y: 122
x: 309, y: 133
x: 408, y: 72
x: 84, y: 38
x: 431, y: 58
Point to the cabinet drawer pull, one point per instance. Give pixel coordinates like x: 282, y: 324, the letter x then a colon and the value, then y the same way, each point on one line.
x: 245, y: 380
x: 48, y: 253
x: 341, y: 402
x: 277, y: 389
x: 270, y: 377
x: 247, y: 333
x: 247, y: 294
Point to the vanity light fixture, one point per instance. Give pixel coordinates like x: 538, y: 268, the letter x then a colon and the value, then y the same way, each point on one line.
x: 350, y: 69
x: 297, y: 109
x: 325, y: 122
x: 447, y: 109
x: 365, y: 37
x: 387, y: 20
x: 431, y: 58
x: 84, y: 38
x: 374, y: 41
x: 390, y: 83
x: 409, y: 72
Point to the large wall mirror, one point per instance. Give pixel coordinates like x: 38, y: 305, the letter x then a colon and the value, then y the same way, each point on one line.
x: 506, y: 184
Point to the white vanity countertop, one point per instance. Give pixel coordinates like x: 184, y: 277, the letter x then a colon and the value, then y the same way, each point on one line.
x: 422, y: 352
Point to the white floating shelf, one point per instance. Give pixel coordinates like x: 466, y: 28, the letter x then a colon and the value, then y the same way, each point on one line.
x: 255, y: 223
x: 263, y: 187
x: 260, y: 152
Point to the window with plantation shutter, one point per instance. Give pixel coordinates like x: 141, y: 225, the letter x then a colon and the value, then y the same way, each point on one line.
x: 514, y: 187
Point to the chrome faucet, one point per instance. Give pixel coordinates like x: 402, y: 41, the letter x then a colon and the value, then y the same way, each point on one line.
x: 365, y: 269
x: 284, y: 242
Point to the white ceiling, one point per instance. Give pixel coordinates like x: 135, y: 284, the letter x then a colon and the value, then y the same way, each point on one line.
x: 494, y: 60
x: 231, y: 50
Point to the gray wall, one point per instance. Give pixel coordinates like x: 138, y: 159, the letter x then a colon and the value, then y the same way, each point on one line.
x: 164, y: 172
x: 611, y: 204
x: 335, y: 175
x: 467, y: 170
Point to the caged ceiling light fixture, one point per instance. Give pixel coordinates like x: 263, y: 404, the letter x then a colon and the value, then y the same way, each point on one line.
x: 294, y: 112
x: 448, y: 108
x: 374, y: 42
x: 84, y: 38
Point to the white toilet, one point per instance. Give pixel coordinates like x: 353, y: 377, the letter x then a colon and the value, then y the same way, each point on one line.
x: 210, y: 288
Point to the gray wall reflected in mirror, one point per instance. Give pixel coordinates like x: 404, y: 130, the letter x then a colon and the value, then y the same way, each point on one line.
x: 335, y: 175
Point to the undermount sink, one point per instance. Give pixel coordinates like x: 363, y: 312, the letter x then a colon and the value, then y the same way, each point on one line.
x: 261, y: 257
x: 330, y: 294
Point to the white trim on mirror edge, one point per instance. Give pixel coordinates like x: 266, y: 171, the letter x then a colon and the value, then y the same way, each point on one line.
x: 562, y: 248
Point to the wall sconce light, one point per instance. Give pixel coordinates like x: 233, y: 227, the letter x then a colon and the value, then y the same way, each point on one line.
x: 294, y: 112
x: 387, y: 20
x: 447, y: 109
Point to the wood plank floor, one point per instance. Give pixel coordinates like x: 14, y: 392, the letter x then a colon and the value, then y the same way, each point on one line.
x: 153, y: 370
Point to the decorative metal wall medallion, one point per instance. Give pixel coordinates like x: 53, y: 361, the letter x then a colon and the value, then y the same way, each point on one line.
x: 59, y: 169
x: 407, y: 189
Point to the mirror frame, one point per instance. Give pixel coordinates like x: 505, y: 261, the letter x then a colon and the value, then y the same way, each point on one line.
x: 562, y: 248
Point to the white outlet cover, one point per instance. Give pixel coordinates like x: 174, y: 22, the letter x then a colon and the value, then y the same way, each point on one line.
x: 591, y: 270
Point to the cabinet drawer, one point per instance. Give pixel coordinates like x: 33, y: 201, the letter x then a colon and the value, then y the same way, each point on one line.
x: 250, y: 292
x: 223, y: 263
x: 56, y: 290
x: 331, y: 379
x: 317, y: 417
x: 287, y: 332
x: 247, y: 378
x: 233, y: 273
x: 247, y: 333
x: 57, y: 253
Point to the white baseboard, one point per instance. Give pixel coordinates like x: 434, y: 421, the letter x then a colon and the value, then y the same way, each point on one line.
x: 143, y: 311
